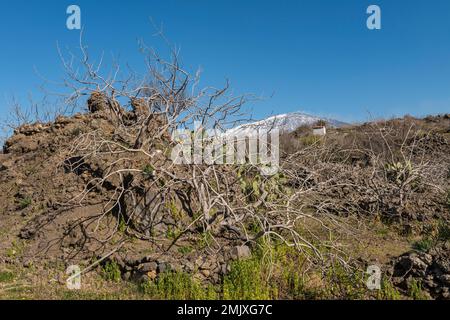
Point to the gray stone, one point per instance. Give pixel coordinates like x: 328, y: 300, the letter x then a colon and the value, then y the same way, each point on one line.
x: 127, y: 276
x: 206, y: 273
x: 163, y: 267
x: 427, y: 258
x: 445, y: 293
x: 225, y: 268
x: 148, y: 266
x: 445, y: 278
x: 240, y: 252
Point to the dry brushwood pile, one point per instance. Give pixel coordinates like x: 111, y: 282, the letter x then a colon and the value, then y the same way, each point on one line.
x: 100, y: 187
x: 397, y: 170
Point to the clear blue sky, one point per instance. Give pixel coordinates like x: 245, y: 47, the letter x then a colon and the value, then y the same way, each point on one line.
x: 312, y: 55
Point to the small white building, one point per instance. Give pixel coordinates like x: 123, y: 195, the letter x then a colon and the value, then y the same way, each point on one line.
x: 319, y: 131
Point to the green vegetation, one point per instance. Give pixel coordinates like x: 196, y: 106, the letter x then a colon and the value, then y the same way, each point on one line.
x: 148, y: 170
x: 250, y: 186
x: 174, y: 211
x: 24, y: 203
x: 253, y: 185
x: 345, y: 283
x: 15, y: 250
x: 185, y: 249
x: 399, y: 172
x: 423, y: 245
x: 122, y: 224
x: 443, y: 231
x: 178, y: 286
x: 416, y: 292
x: 246, y: 282
x: 111, y: 271
x: 388, y: 292
x: 310, y: 140
x: 273, y: 272
x: 6, y: 276
x: 257, y: 279
x: 205, y: 239
x: 172, y: 232
x: 80, y: 295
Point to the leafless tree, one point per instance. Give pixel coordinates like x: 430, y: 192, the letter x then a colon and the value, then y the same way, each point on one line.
x: 152, y: 195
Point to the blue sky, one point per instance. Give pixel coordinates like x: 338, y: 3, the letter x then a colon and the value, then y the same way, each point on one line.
x: 312, y: 55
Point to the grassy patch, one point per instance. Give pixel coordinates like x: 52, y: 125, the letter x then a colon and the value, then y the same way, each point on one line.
x: 423, y: 245
x: 178, y: 286
x: 6, y: 276
x: 342, y: 283
x: 246, y: 282
x: 440, y: 233
x: 16, y: 249
x: 416, y: 292
x: 443, y: 231
x: 310, y: 140
x: 111, y: 272
x: 82, y: 295
x: 25, y: 203
x: 388, y: 292
x: 185, y: 249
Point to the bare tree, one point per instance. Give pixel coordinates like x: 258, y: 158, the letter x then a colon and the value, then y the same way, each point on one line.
x: 151, y: 194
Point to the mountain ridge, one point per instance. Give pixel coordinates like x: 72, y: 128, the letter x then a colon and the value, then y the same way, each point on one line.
x: 286, y: 122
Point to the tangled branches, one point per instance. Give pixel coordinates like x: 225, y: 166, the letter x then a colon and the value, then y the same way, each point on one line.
x: 128, y: 161
x: 384, y: 169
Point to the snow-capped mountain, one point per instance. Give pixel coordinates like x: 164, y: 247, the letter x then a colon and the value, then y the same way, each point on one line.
x: 284, y: 123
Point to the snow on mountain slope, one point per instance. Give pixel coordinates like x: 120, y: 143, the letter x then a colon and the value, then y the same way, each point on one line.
x: 283, y: 122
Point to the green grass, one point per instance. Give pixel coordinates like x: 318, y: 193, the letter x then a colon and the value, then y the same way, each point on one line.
x: 388, y: 292
x: 81, y: 295
x: 441, y: 234
x: 310, y: 140
x: 148, y: 170
x: 16, y: 249
x: 111, y: 272
x: 24, y: 203
x: 178, y: 286
x: 443, y: 231
x: 6, y: 276
x: 246, y: 282
x: 416, y: 292
x: 273, y: 272
x: 423, y: 245
x: 344, y: 283
x: 185, y: 249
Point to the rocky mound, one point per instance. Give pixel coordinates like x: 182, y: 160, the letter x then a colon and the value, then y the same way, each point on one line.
x: 431, y: 270
x: 101, y: 185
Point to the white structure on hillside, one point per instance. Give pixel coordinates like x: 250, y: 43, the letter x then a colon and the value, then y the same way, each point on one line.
x: 319, y: 131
